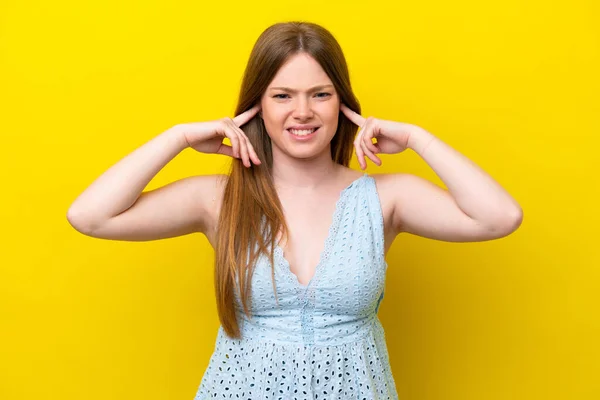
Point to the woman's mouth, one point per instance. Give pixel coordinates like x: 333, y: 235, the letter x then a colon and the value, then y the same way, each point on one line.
x: 302, y: 134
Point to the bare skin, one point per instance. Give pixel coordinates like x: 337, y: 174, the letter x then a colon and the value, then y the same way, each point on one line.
x: 308, y: 182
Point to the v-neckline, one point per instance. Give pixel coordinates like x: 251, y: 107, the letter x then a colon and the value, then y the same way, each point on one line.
x: 328, y: 240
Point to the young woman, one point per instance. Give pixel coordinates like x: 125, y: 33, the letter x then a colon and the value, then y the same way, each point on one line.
x: 300, y: 238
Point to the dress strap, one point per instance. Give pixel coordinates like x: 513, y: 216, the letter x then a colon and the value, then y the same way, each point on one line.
x: 375, y: 214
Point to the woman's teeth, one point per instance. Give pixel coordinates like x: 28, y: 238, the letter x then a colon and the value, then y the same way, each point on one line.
x: 302, y: 132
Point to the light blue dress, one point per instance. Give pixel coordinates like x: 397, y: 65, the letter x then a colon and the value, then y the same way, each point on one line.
x: 324, y: 340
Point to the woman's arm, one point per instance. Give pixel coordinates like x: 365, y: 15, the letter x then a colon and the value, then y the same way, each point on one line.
x: 474, y: 208
x: 119, y: 187
x: 114, y: 207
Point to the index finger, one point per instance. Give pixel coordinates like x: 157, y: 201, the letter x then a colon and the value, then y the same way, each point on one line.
x: 246, y: 116
x: 352, y: 116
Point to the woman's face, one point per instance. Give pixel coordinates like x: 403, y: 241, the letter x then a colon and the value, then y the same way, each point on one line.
x: 300, y: 95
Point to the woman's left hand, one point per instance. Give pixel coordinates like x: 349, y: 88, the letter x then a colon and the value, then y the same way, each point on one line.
x: 392, y: 137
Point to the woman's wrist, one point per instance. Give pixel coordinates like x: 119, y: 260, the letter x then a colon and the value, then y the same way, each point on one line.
x: 419, y: 140
x: 177, y: 136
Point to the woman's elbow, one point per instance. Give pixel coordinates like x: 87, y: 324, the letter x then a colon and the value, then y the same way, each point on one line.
x: 510, y: 220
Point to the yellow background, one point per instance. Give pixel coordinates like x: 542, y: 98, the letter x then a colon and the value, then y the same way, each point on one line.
x: 511, y: 84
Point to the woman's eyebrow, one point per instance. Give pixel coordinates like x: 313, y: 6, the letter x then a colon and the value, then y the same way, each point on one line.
x: 286, y: 89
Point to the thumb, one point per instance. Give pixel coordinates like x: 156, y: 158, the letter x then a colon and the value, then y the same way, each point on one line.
x: 225, y: 149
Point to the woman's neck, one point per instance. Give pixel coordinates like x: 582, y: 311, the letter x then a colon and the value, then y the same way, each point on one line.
x: 311, y: 173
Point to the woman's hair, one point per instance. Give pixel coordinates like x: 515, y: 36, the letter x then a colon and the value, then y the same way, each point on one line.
x: 251, y: 214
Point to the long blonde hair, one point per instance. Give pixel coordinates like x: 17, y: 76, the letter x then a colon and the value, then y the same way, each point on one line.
x: 251, y: 213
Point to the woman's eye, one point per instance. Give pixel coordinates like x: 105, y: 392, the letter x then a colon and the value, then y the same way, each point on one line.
x: 326, y: 94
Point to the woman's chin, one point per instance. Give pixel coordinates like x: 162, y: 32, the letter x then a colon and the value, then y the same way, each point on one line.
x: 307, y: 152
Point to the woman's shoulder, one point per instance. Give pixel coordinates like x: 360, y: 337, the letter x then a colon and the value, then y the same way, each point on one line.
x: 389, y: 181
x: 387, y: 190
x: 350, y: 175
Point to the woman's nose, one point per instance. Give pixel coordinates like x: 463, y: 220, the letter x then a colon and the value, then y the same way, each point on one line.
x: 303, y: 109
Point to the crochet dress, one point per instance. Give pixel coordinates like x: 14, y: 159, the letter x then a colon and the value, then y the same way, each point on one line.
x: 324, y: 339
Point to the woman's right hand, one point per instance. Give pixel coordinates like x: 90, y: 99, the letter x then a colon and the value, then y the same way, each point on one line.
x: 207, y: 137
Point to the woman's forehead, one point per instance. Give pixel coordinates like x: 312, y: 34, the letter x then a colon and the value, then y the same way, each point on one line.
x: 302, y: 73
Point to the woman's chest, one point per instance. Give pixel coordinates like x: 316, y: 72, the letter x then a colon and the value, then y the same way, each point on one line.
x: 348, y: 279
x: 308, y: 230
